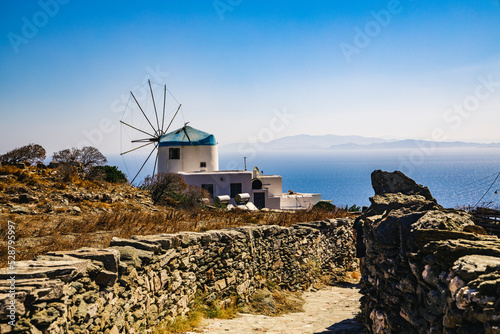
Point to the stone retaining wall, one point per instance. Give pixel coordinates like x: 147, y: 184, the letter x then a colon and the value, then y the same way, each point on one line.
x: 135, y: 283
x: 427, y: 269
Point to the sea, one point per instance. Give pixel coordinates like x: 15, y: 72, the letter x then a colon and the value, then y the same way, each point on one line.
x: 457, y: 178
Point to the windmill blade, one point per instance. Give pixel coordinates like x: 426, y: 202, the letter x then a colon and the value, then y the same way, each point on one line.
x: 152, y: 127
x: 168, y: 127
x: 154, y: 167
x: 136, y: 148
x: 133, y: 127
x: 144, y: 140
x: 149, y: 156
x: 164, y: 102
x: 154, y: 105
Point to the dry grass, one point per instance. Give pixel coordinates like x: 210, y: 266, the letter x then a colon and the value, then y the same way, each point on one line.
x: 199, y: 311
x: 38, y: 234
x: 54, y: 227
x: 274, y: 301
x: 338, y: 277
x: 181, y: 324
x: 288, y: 301
x: 271, y: 301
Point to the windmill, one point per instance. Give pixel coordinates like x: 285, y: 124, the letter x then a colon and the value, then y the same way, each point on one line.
x: 143, y: 131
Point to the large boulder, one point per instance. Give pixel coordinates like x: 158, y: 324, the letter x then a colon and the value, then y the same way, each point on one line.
x: 397, y: 182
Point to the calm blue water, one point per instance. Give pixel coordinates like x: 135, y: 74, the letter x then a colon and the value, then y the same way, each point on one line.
x: 454, y: 177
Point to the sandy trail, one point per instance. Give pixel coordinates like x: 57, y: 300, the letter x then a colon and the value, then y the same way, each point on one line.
x: 329, y: 310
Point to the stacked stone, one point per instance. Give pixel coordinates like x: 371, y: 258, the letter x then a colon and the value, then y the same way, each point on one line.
x: 136, y: 283
x: 427, y: 269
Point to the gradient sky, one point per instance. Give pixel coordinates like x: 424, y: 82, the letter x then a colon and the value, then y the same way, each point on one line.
x: 234, y: 63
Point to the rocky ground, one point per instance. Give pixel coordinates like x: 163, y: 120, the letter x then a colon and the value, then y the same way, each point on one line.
x: 41, y: 191
x: 329, y: 310
x: 53, y: 214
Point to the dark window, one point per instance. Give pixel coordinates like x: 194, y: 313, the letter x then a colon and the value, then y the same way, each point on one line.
x: 235, y: 189
x: 174, y: 153
x: 203, y: 164
x: 209, y: 188
x: 259, y: 200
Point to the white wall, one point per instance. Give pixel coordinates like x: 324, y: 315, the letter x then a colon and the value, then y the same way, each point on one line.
x: 221, y: 180
x: 299, y: 201
x: 190, y: 158
x: 273, y: 183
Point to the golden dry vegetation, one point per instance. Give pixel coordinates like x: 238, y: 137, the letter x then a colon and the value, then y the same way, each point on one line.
x: 53, y: 212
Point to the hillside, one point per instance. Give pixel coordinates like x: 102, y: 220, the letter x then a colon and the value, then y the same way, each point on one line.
x: 335, y: 142
x: 51, y: 213
x: 305, y: 142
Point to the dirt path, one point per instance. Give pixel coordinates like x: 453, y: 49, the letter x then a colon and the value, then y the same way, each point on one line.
x: 330, y: 310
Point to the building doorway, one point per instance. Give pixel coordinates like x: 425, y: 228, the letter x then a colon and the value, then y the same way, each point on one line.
x: 259, y: 200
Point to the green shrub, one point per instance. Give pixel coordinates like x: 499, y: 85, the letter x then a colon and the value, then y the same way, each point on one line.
x: 353, y: 208
x: 107, y: 173
x: 322, y: 205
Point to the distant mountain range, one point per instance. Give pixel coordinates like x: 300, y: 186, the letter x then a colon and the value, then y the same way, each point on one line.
x: 334, y: 142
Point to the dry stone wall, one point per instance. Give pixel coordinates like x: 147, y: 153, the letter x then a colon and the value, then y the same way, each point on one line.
x: 427, y: 269
x: 135, y: 283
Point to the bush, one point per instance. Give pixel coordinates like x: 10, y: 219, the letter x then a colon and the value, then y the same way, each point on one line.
x: 193, y: 196
x: 165, y: 187
x: 107, y: 173
x: 322, y: 205
x: 31, y: 153
x: 68, y: 173
x: 353, y: 208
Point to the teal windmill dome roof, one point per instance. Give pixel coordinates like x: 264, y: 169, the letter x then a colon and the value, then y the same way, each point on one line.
x: 187, y: 136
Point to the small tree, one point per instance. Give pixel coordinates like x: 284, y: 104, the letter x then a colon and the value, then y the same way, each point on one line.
x: 67, y: 155
x: 31, y: 153
x: 88, y: 156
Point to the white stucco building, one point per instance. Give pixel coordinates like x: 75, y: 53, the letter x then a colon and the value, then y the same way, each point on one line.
x: 193, y: 154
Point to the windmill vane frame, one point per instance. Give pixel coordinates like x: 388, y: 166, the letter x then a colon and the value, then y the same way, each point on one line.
x: 153, y: 137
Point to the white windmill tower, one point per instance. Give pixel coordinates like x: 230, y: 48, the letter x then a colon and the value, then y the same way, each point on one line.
x: 184, y: 149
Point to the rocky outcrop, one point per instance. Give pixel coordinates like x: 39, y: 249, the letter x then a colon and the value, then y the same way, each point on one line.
x: 135, y: 283
x: 397, y: 182
x: 427, y: 269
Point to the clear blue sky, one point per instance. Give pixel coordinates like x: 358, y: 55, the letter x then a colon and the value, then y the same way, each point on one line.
x: 233, y: 63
